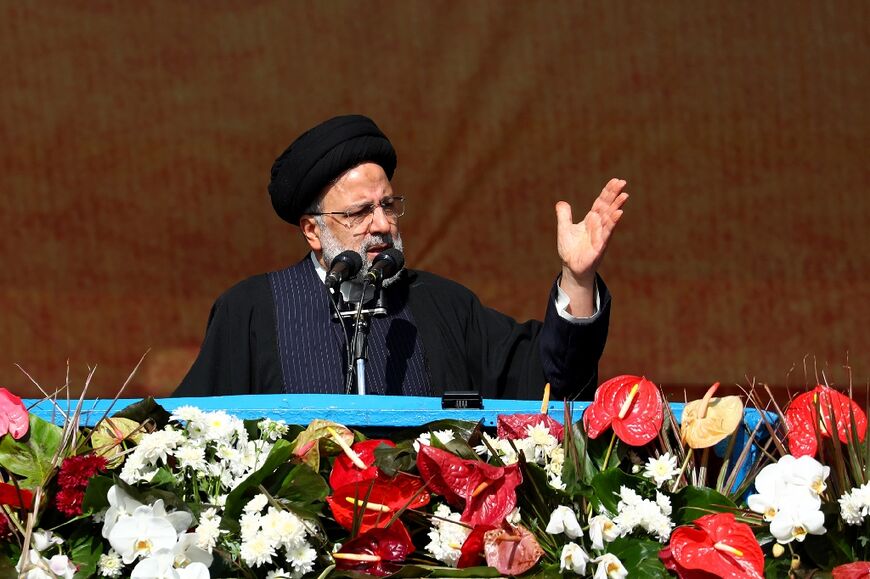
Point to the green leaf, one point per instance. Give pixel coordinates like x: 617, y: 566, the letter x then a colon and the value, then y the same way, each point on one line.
x: 535, y: 496
x: 690, y: 503
x: 305, y: 490
x: 30, y: 458
x: 146, y: 409
x: 607, y: 483
x: 639, y: 556
x: 434, y: 571
x: 393, y: 459
x: 86, y: 548
x: 96, y: 495
x: 236, y: 500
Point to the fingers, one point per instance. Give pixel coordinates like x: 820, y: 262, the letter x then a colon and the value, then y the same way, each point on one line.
x: 613, y: 188
x: 564, y: 216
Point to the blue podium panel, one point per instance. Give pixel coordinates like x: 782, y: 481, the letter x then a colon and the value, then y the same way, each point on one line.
x: 352, y: 410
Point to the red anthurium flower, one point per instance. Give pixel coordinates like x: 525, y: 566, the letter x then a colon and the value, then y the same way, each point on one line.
x: 511, y: 550
x: 13, y: 415
x: 857, y: 570
x: 376, y: 552
x: 15, y: 497
x: 719, y: 547
x: 344, y: 471
x: 805, y: 426
x: 472, y: 549
x: 378, y: 499
x: 487, y: 492
x: 514, y: 426
x: 631, y: 405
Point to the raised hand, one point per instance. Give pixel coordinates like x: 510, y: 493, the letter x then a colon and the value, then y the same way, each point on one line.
x: 582, y: 245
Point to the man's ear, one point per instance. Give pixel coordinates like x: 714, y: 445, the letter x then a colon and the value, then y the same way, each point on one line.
x: 311, y: 231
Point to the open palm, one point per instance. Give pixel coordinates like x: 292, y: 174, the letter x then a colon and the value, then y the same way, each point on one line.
x: 582, y: 245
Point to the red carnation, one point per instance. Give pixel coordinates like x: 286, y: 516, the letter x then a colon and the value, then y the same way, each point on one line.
x: 77, y: 471
x: 73, y: 478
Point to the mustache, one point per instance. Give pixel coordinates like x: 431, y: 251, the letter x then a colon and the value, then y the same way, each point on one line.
x: 374, y: 240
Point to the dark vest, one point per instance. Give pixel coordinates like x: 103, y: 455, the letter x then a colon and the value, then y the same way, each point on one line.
x: 312, y: 346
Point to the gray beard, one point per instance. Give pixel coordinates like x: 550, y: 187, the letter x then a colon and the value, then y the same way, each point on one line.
x: 331, y: 247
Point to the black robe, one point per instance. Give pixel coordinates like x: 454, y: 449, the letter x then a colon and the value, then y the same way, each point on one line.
x: 466, y: 345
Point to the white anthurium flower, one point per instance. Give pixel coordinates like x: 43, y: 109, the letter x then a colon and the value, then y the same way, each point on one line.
x: 564, y: 520
x: 795, y: 522
x: 601, y: 530
x: 121, y: 505
x: 143, y: 533
x: 609, y: 567
x: 810, y: 473
x: 573, y: 559
x: 160, y: 566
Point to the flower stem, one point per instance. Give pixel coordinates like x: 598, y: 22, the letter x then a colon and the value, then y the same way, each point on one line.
x: 682, y: 470
x: 609, y: 450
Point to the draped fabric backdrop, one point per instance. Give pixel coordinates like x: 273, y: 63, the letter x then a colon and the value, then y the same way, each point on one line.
x: 138, y: 136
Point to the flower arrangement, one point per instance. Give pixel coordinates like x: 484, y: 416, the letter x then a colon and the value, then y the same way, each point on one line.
x: 632, y: 487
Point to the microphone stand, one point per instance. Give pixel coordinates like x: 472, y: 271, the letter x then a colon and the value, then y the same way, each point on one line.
x: 359, y: 345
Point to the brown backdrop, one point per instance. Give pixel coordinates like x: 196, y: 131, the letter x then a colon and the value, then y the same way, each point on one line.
x: 137, y: 140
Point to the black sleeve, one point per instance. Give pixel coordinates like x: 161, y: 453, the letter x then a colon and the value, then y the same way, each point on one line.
x: 239, y: 354
x: 471, y: 346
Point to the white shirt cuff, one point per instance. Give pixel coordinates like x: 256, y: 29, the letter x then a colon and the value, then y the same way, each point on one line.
x: 563, y: 301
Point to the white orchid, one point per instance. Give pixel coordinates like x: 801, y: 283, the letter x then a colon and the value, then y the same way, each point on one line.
x: 121, y: 506
x: 573, y: 559
x: 160, y: 565
x: 794, y: 522
x: 148, y: 530
x: 564, y: 520
x: 44, y: 540
x: 35, y: 566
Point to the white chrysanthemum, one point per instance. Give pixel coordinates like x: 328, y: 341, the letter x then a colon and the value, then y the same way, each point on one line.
x: 135, y: 470
x: 219, y: 425
x: 850, y: 509
x: 283, y: 528
x: 250, y: 525
x: 110, y: 564
x: 156, y: 446
x: 573, y: 559
x: 278, y: 574
x: 443, y: 436
x: 191, y: 456
x: 272, y: 429
x: 637, y: 512
x: 256, y: 504
x: 446, y: 536
x: 187, y: 414
x: 541, y: 436
x: 257, y: 551
x: 302, y: 557
x: 208, y: 531
x: 662, y: 469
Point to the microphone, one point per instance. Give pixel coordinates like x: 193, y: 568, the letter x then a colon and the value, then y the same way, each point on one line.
x: 345, y: 265
x: 385, y: 265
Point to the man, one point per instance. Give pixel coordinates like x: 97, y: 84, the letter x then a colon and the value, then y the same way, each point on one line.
x: 274, y: 332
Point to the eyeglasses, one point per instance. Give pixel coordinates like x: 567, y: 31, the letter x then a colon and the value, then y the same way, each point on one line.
x: 394, y: 207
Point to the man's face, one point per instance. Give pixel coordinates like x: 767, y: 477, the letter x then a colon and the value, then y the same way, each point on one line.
x: 359, y: 187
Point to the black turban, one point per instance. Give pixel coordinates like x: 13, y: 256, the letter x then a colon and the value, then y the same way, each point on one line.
x: 320, y: 155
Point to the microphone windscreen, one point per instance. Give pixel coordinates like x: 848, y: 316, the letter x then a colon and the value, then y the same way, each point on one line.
x: 351, y: 259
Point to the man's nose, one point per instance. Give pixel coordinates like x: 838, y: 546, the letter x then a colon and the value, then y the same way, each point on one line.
x: 380, y: 223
